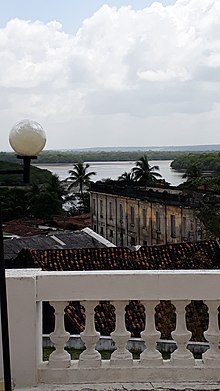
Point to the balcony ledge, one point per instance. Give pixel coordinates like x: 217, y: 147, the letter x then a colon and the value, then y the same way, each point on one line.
x: 33, y: 287
x: 149, y: 386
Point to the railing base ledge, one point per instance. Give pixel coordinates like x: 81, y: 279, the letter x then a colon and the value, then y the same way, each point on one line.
x: 137, y: 373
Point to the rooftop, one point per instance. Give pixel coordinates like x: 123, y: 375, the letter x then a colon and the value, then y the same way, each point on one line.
x: 189, y: 255
x: 151, y: 194
x: 33, y: 227
x: 85, y: 238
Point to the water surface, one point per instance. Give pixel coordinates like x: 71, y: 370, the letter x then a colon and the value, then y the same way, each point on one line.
x: 114, y: 169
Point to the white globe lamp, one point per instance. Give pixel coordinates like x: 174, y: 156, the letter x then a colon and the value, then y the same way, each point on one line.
x: 27, y: 138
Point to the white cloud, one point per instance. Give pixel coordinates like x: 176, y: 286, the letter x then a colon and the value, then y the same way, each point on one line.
x: 159, y: 65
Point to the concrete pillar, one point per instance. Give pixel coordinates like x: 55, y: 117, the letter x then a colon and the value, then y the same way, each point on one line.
x: 23, y: 327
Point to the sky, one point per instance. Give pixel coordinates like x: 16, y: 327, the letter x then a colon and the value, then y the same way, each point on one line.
x: 111, y: 73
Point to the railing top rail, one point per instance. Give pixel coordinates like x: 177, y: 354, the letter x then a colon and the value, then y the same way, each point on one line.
x: 123, y: 285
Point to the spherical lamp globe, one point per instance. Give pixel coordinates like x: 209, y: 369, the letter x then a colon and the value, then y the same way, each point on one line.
x: 27, y: 138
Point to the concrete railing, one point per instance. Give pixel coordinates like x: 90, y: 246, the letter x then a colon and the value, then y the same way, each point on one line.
x: 28, y: 289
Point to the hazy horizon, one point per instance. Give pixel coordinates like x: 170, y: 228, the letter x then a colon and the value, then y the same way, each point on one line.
x: 196, y: 147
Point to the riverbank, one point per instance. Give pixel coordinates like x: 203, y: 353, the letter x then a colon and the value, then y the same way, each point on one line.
x: 113, y: 170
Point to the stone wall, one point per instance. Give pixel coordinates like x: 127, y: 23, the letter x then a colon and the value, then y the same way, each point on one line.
x: 127, y: 221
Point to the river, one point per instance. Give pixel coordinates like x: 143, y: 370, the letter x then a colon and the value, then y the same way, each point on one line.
x: 114, y: 169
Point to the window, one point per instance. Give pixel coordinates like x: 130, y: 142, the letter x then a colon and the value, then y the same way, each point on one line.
x: 133, y: 241
x: 184, y: 227
x: 158, y: 221
x: 93, y: 206
x: 121, y: 239
x: 144, y: 242
x: 101, y: 208
x: 121, y: 212
x: 110, y: 210
x: 111, y: 233
x: 173, y: 226
x: 94, y: 227
x: 101, y: 231
x: 132, y: 215
x: 144, y: 218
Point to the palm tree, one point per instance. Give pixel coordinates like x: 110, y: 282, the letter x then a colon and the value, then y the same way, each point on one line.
x: 192, y: 172
x: 80, y: 177
x: 145, y: 173
x: 46, y: 199
x: 126, y: 177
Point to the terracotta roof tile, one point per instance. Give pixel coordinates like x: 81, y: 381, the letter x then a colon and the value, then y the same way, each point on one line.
x: 192, y: 255
x: 196, y: 255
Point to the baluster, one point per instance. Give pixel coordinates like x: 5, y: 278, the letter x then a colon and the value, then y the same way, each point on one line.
x: 181, y: 356
x: 212, y: 355
x: 121, y: 356
x: 150, y: 356
x: 90, y: 357
x: 59, y: 358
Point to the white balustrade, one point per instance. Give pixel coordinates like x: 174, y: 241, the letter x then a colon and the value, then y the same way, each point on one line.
x: 90, y: 358
x: 28, y: 289
x: 181, y: 356
x: 121, y: 356
x: 212, y: 355
x: 59, y: 358
x: 150, y: 356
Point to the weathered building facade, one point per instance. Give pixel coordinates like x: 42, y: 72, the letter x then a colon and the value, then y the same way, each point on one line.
x: 129, y: 216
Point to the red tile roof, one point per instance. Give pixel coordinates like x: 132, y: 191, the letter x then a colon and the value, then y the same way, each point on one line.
x: 73, y: 222
x: 196, y: 255
x: 23, y: 227
x: 29, y: 227
x: 191, y: 255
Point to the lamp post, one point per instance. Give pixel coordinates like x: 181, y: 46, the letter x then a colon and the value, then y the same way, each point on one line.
x: 27, y: 138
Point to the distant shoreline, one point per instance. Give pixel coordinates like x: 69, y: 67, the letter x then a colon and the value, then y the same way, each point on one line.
x: 103, y: 162
x: 114, y: 169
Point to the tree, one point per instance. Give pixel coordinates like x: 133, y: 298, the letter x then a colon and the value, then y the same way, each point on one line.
x: 192, y: 172
x: 13, y: 203
x: 46, y: 199
x: 145, y: 173
x: 126, y: 177
x: 79, y: 176
x: 209, y: 214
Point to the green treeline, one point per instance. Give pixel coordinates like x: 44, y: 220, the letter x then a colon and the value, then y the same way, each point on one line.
x: 43, y: 199
x: 53, y: 157
x: 206, y: 161
x: 36, y: 175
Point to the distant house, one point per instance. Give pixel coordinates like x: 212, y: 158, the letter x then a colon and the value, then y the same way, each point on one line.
x: 131, y: 215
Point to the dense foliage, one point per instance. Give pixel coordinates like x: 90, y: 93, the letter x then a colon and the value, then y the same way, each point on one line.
x: 36, y: 175
x: 206, y: 161
x: 209, y: 214
x: 202, y: 172
x: 44, y: 198
x: 49, y: 157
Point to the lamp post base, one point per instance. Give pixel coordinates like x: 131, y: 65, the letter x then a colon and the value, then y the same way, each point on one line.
x: 26, y: 167
x: 2, y: 386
